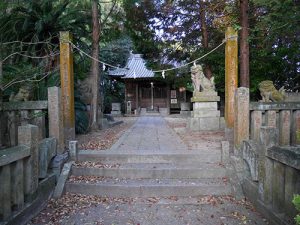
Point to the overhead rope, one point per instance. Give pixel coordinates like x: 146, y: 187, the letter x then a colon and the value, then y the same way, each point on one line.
x: 192, y: 62
x: 155, y: 71
x: 91, y: 57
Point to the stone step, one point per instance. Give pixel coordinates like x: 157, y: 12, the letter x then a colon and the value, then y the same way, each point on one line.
x: 112, y: 187
x: 154, y: 171
x: 151, y: 157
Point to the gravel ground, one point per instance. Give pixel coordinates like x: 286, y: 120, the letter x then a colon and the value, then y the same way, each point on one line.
x: 195, y: 140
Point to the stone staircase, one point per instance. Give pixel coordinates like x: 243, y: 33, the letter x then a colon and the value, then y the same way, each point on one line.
x: 149, y: 174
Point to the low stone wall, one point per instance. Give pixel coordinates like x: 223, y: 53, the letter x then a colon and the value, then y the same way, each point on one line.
x: 267, y: 142
x: 277, y: 182
x: 22, y: 169
x: 30, y: 167
x: 14, y: 114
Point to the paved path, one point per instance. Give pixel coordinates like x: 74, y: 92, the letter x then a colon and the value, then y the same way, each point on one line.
x: 149, y: 134
x: 152, y: 135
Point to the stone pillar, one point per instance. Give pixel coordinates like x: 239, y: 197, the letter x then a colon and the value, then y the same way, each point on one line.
x: 268, y: 181
x: 271, y: 118
x: 290, y: 189
x: 284, y: 127
x: 17, y: 185
x: 231, y: 74
x: 5, y: 190
x: 256, y: 122
x: 278, y: 194
x: 67, y: 84
x: 241, y: 115
x: 28, y: 135
x: 13, y: 129
x: 168, y: 99
x: 268, y: 138
x: 73, y: 147
x: 40, y: 122
x: 55, y: 113
x: 296, y: 128
x: 136, y: 96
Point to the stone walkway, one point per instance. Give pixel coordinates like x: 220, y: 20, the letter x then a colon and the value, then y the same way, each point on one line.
x: 149, y: 135
x: 190, y: 185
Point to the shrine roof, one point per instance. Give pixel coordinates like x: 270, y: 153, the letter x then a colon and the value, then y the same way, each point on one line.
x: 135, y: 68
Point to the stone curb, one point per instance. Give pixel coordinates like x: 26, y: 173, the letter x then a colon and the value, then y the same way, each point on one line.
x: 60, y: 187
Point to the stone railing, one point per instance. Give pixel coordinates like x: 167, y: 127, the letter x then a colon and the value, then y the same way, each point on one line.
x: 30, y: 167
x: 266, y: 139
x: 274, y: 175
x: 24, y: 172
x: 14, y: 114
x: 283, y: 116
x: 12, y: 193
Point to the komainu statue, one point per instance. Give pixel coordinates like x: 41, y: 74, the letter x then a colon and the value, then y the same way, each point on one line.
x: 269, y: 93
x: 200, y: 82
x: 24, y: 94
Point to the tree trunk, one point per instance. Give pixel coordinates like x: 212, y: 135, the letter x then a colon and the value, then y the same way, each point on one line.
x: 204, y: 32
x: 95, y: 109
x: 244, y: 45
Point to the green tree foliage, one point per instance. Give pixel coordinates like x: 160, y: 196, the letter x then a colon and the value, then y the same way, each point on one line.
x: 33, y: 28
x: 275, y: 42
x: 175, y: 28
x: 296, y: 202
x: 115, y: 53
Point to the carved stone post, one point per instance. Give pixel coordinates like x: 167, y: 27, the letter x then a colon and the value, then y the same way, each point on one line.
x: 28, y: 135
x: 241, y: 115
x: 56, y: 126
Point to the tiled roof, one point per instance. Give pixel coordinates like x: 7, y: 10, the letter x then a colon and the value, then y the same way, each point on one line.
x: 135, y: 68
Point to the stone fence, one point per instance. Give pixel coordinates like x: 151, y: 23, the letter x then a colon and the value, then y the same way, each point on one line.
x: 283, y: 116
x: 14, y: 114
x: 30, y: 166
x: 267, y: 140
x: 25, y: 180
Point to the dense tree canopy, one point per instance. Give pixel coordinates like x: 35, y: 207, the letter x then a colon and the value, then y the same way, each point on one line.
x: 168, y: 32
x: 176, y: 28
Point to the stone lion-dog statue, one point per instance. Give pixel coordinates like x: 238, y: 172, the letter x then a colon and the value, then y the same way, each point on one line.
x: 200, y: 81
x: 24, y: 94
x: 269, y: 93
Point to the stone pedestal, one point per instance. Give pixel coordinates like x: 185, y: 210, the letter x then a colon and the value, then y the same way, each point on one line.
x: 116, y: 109
x: 205, y: 115
x: 185, y: 108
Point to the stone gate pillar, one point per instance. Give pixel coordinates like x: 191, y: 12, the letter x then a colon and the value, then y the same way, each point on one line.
x: 67, y: 84
x: 231, y: 74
